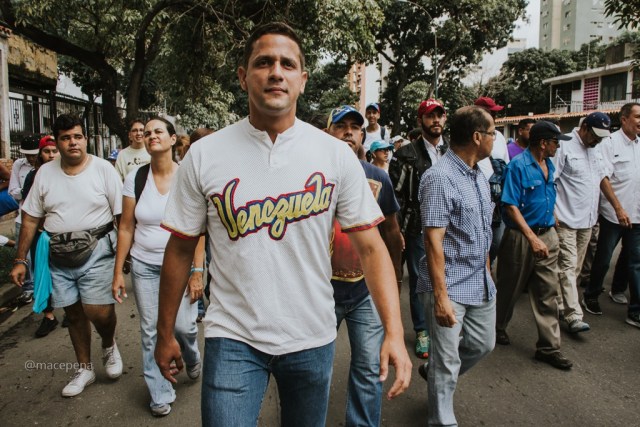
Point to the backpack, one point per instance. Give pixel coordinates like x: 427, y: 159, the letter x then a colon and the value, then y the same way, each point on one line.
x: 495, y: 182
x: 141, y: 180
x: 382, y: 132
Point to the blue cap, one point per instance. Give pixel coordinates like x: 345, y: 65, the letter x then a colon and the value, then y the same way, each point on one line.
x: 380, y: 145
x: 113, y: 155
x: 373, y: 105
x: 339, y: 113
x: 599, y: 123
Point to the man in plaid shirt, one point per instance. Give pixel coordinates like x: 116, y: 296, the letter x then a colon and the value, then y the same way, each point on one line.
x: 456, y: 210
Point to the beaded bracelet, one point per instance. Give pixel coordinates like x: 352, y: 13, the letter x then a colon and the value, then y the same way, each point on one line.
x: 22, y: 261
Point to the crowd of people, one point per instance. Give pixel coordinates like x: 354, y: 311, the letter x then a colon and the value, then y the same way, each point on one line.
x: 299, y: 229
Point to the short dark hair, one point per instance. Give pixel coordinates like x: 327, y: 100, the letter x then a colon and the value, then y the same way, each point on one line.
x: 66, y: 122
x: 625, y: 111
x: 465, y: 122
x: 170, y: 128
x: 271, y: 28
x: 524, y: 122
x: 414, y: 133
x: 200, y: 133
x: 132, y: 122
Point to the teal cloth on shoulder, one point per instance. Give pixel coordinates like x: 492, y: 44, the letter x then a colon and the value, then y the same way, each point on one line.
x: 42, y: 274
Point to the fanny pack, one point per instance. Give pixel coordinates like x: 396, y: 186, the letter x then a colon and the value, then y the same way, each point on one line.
x: 73, y: 249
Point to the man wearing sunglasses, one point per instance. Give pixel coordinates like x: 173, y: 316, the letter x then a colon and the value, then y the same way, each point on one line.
x: 529, y: 250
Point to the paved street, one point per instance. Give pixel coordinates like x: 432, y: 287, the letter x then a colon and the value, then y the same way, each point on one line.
x: 508, y: 388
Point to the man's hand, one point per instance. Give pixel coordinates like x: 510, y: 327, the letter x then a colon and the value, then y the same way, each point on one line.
x: 538, y: 247
x: 18, y: 273
x: 195, y: 286
x: 168, y: 358
x: 117, y: 287
x: 395, y: 353
x: 443, y: 310
x: 623, y: 217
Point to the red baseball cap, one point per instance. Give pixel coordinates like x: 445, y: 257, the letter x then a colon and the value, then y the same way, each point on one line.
x: 429, y: 105
x: 46, y: 140
x: 488, y: 104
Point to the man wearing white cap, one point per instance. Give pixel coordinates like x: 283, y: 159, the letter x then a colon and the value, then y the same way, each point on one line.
x: 579, y: 176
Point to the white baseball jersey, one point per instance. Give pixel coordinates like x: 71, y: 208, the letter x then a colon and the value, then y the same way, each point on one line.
x: 269, y: 210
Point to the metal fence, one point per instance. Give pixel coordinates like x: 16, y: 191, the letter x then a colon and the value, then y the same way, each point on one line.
x: 34, y: 114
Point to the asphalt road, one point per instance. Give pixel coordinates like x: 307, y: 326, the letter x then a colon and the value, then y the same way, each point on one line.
x: 508, y: 388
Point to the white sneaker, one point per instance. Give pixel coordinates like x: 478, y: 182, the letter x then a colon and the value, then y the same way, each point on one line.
x: 193, y: 371
x: 81, y: 379
x: 618, y: 298
x: 161, y: 411
x: 112, y: 361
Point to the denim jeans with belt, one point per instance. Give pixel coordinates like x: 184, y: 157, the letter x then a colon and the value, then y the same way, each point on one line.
x: 610, y: 235
x: 146, y: 287
x: 236, y: 375
x: 364, y: 397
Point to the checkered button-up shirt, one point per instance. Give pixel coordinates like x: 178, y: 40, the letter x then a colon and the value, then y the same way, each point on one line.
x: 456, y: 197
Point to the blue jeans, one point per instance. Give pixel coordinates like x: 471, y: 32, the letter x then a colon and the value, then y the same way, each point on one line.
x: 414, y: 248
x: 146, y: 287
x: 454, y: 351
x: 364, y: 396
x: 610, y: 235
x: 236, y: 375
x: 621, y: 273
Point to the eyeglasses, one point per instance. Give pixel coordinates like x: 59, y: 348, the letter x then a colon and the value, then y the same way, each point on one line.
x: 492, y: 133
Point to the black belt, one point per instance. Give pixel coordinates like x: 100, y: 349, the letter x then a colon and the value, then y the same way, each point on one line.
x: 103, y: 230
x: 539, y: 231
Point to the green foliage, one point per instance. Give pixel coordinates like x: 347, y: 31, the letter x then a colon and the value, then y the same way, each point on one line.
x: 182, y: 54
x: 464, y: 28
x: 626, y: 13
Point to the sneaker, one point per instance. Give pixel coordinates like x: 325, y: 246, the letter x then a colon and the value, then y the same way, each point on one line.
x: 422, y: 345
x: 423, y: 370
x: 618, y: 298
x: 65, y: 321
x: 502, y: 338
x: 555, y: 359
x: 591, y: 305
x: 47, y: 325
x: 633, y: 319
x: 81, y: 379
x: 161, y: 410
x: 577, y: 325
x: 24, y: 299
x: 193, y: 371
x: 112, y: 361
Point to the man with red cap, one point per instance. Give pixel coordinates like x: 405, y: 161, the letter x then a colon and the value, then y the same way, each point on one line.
x: 406, y: 168
x: 494, y: 165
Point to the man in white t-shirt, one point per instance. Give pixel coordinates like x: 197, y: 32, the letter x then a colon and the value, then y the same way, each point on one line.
x: 373, y: 131
x: 135, y: 154
x: 77, y: 193
x: 267, y: 190
x: 499, y: 152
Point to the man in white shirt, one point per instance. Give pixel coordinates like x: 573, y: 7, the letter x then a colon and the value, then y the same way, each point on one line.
x: 78, y: 195
x: 19, y: 171
x: 498, y: 152
x: 135, y: 154
x: 267, y: 190
x: 373, y: 131
x: 620, y: 218
x: 579, y: 175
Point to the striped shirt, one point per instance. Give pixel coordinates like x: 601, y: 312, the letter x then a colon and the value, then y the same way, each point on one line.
x: 457, y: 197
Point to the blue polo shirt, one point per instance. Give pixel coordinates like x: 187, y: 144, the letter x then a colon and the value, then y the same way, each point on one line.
x: 525, y: 187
